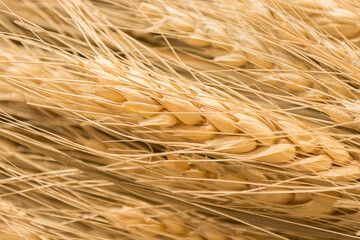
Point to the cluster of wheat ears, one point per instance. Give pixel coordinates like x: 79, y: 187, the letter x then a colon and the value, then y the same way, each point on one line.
x: 169, y: 119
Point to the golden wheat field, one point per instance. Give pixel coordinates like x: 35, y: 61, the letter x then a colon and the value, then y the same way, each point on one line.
x: 171, y: 120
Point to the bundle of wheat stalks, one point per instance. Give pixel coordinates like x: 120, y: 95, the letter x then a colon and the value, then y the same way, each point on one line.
x: 192, y: 119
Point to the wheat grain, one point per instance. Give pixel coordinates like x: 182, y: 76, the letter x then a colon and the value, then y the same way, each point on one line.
x: 144, y: 99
